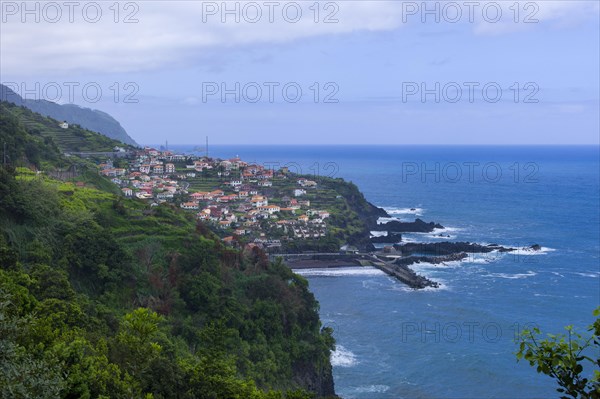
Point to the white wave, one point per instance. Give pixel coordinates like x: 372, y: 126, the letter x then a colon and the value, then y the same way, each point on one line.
x: 531, y: 252
x: 443, y: 285
x: 512, y: 276
x: 340, y: 271
x: 446, y: 229
x: 385, y: 220
x: 378, y: 233
x: 592, y: 274
x: 372, y: 389
x: 479, y: 260
x: 441, y: 237
x: 406, y: 238
x: 341, y: 357
x: 405, y: 211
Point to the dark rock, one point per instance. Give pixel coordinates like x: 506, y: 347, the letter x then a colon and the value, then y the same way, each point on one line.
x: 449, y: 248
x: 418, y: 226
x: 536, y: 247
x: 391, y: 238
x: 436, y: 260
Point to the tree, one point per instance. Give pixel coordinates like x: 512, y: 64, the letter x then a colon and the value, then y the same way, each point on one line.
x: 563, y: 358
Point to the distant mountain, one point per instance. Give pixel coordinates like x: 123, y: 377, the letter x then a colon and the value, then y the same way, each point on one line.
x: 91, y: 119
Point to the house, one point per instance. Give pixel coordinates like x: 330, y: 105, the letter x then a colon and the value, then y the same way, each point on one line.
x: 270, y: 209
x: 259, y: 200
x: 145, y: 168
x: 217, y: 193
x: 143, y: 195
x: 170, y: 168
x: 189, y: 205
x: 307, y: 183
x: 323, y: 214
x: 225, y: 198
x: 158, y: 169
x: 109, y: 172
x: 303, y: 218
x: 127, y: 191
x: 200, y: 196
x: 299, y: 192
x: 349, y: 249
x: 199, y: 166
x: 64, y: 125
x: 265, y: 183
x: 164, y: 195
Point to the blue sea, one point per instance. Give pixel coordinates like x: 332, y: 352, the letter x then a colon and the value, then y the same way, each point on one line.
x: 458, y: 341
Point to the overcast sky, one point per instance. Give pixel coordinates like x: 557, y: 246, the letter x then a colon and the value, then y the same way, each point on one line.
x: 351, y: 72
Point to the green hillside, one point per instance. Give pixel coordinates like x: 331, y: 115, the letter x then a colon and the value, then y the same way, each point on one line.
x: 105, y: 297
x: 91, y: 119
x: 72, y: 139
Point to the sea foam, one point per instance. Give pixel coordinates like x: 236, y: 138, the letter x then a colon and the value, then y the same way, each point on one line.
x: 341, y: 357
x: 341, y: 271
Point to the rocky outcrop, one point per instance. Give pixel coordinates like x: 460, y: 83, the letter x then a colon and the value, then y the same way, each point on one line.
x: 418, y: 226
x: 391, y: 238
x: 315, y: 379
x: 448, y: 248
x: 410, y: 260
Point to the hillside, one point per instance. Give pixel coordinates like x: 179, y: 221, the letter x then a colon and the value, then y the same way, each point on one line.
x: 72, y: 139
x: 101, y: 296
x: 87, y: 118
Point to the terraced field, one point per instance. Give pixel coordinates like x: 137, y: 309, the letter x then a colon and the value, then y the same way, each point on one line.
x: 72, y: 139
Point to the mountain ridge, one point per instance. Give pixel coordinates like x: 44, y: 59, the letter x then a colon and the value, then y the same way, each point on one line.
x: 91, y: 119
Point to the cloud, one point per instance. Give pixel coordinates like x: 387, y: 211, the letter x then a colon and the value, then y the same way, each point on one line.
x: 177, y: 33
x: 524, y: 15
x: 169, y: 33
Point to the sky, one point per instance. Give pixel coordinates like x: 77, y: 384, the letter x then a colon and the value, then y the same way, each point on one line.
x: 316, y: 72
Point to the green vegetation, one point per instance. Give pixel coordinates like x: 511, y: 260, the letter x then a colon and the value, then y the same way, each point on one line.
x: 47, y: 131
x: 91, y: 119
x: 565, y: 358
x: 101, y: 296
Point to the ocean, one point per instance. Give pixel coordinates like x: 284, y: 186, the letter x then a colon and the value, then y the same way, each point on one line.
x: 458, y: 341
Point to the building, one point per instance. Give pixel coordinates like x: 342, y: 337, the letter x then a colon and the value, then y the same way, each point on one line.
x: 259, y: 200
x: 190, y: 205
x: 170, y: 168
x: 127, y: 192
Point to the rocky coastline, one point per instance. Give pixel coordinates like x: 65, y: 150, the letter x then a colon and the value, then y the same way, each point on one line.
x: 396, y: 258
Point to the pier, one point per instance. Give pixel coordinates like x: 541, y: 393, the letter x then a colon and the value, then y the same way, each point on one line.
x: 328, y: 260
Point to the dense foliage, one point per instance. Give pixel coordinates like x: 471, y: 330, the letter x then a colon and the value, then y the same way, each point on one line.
x: 101, y: 297
x: 567, y: 358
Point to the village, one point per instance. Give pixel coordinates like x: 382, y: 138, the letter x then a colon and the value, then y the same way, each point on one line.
x: 243, y: 202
